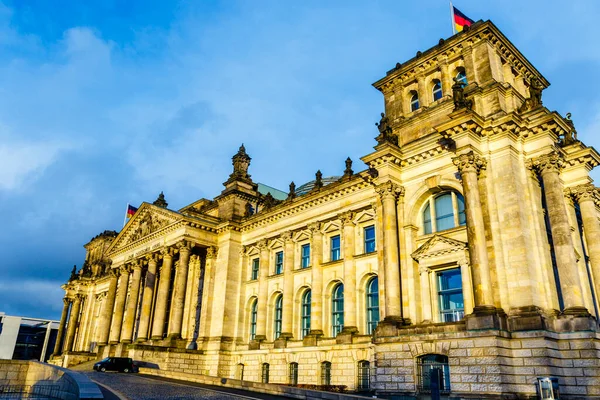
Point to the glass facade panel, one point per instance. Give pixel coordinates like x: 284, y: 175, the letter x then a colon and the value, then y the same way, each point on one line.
x: 335, y: 248
x: 427, y: 220
x: 452, y: 307
x: 278, y: 316
x: 372, y: 305
x: 279, y: 262
x: 444, y: 212
x: 370, y: 239
x: 337, y: 310
x: 305, y: 255
x: 306, y: 299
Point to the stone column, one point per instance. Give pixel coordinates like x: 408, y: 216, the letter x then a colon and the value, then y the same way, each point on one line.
x: 426, y: 312
x: 147, y: 297
x: 549, y: 166
x: 316, y: 259
x: 107, y: 310
x: 350, y: 324
x: 263, y: 273
x: 586, y: 196
x: 132, y: 304
x: 469, y: 165
x: 446, y: 78
x: 117, y: 321
x: 207, y: 291
x: 162, y: 297
x: 191, y: 299
x: 176, y: 318
x: 389, y: 192
x: 73, y: 321
x: 61, y: 326
x: 288, y: 287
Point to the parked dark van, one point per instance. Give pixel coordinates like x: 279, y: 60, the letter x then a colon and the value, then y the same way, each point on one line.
x: 121, y: 364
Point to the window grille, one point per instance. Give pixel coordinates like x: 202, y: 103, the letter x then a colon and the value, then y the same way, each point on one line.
x: 265, y: 373
x: 425, y: 372
x: 326, y: 373
x: 293, y: 373
x: 364, y: 376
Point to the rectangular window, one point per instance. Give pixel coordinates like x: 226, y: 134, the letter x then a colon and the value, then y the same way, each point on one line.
x: 305, y: 263
x: 279, y: 263
x: 255, y: 265
x: 452, y: 307
x: 335, y: 248
x: 370, y: 239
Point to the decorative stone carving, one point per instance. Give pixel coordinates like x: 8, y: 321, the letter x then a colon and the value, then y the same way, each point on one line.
x: 535, y: 96
x: 583, y: 192
x: 249, y: 209
x: 148, y: 224
x: 458, y: 95
x: 469, y: 162
x: 389, y: 188
x: 569, y: 136
x: 551, y: 162
x: 314, y: 227
x: 268, y: 201
x: 241, y: 162
x: 211, y: 252
x: 262, y: 244
x: 286, y: 236
x: 292, y: 192
x: 385, y: 131
x: 125, y: 269
x: 348, y: 172
x: 67, y: 301
x: 347, y: 218
x: 160, y: 201
x: 318, y: 180
x: 73, y: 273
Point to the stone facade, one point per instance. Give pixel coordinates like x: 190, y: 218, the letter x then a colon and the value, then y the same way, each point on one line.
x: 469, y: 244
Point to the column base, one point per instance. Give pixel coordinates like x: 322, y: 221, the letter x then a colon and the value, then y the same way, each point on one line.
x: 157, y: 337
x: 312, y: 339
x: 345, y: 336
x: 141, y: 340
x: 126, y: 341
x: 174, y: 336
x: 527, y: 318
x: 113, y: 342
x: 486, y: 317
x: 575, y: 319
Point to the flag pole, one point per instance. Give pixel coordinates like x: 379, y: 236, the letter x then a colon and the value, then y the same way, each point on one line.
x: 125, y: 219
x: 452, y: 18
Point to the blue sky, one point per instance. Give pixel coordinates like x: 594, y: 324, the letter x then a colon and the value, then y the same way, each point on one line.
x: 108, y: 102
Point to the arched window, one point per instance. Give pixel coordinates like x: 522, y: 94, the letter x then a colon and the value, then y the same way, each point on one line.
x: 278, y: 316
x: 326, y: 373
x: 443, y: 211
x: 414, y: 101
x: 265, y: 373
x: 306, y: 299
x: 337, y: 310
x: 437, y: 90
x: 372, y: 305
x: 240, y: 372
x: 433, y: 369
x: 253, y: 318
x: 364, y: 377
x: 293, y: 373
x: 461, y: 76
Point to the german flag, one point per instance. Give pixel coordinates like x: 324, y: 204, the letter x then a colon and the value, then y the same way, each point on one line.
x: 460, y: 20
x: 130, y: 210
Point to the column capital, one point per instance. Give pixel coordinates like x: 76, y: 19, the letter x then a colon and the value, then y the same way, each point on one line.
x: 167, y: 252
x: 184, y: 246
x: 286, y: 236
x: 138, y: 265
x: 551, y: 162
x: 153, y: 257
x: 78, y: 298
x: 423, y: 270
x: 389, y: 189
x: 469, y: 162
x: 212, y: 251
x: 314, y: 227
x: 346, y: 218
x: 67, y: 301
x: 124, y: 269
x: 193, y: 258
x: 583, y: 192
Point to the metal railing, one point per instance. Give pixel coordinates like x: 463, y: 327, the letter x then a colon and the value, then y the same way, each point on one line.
x: 31, y: 391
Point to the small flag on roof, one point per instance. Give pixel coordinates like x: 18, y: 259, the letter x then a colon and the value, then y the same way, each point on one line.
x: 459, y: 20
x: 130, y: 210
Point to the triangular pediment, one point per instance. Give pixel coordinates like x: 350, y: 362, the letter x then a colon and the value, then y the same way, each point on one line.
x: 438, y: 245
x: 147, y: 220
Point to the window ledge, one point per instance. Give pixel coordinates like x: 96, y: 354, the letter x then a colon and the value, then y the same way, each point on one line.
x: 328, y: 263
x: 363, y: 255
x: 445, y: 231
x: 303, y: 269
x: 275, y: 276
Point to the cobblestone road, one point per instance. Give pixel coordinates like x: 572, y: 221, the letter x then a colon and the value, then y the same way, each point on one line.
x: 135, y: 386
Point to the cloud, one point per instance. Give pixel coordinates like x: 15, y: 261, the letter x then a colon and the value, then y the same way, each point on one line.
x: 37, y: 298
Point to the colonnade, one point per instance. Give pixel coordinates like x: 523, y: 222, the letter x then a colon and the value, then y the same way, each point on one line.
x: 140, y: 296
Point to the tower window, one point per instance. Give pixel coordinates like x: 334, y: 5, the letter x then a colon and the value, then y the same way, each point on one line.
x: 305, y: 255
x: 278, y: 316
x: 444, y: 211
x: 337, y: 310
x: 414, y: 101
x: 461, y: 76
x: 335, y: 248
x: 437, y: 90
x: 452, y: 306
x: 279, y: 262
x: 372, y: 305
x: 253, y: 319
x: 369, y: 239
x: 254, y: 272
x: 306, y: 299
